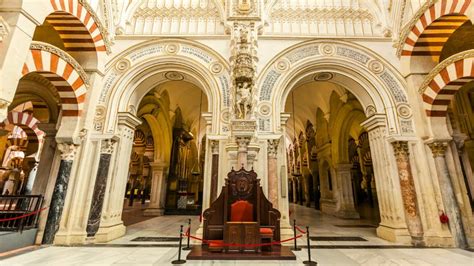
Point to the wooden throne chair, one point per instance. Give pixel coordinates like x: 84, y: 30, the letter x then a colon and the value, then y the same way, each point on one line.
x: 241, y: 215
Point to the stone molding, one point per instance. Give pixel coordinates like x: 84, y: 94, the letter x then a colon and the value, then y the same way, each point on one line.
x: 128, y: 119
x: 4, y: 29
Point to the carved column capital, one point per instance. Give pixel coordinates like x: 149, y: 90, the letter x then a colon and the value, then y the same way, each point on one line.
x: 68, y: 151
x: 107, y: 146
x: 243, y: 142
x: 438, y: 148
x: 214, y: 146
x: 400, y: 148
x: 273, y: 147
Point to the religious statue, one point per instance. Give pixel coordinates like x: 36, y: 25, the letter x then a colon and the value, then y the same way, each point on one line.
x: 243, y: 101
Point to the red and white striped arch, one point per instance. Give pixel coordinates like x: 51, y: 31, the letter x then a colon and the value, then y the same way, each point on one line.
x: 76, y: 37
x: 445, y: 84
x: 70, y: 85
x: 25, y: 121
x: 422, y: 36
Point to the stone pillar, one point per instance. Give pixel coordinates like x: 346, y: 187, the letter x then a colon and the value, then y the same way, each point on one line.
x: 46, y: 159
x: 412, y: 212
x: 243, y: 143
x: 68, y: 152
x: 451, y: 207
x: 158, y: 191
x: 111, y: 225
x: 392, y: 225
x: 273, y: 171
x: 346, y: 208
x: 214, y: 169
x: 106, y: 150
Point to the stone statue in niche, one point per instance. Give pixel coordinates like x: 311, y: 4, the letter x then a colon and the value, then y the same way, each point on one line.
x: 244, y: 100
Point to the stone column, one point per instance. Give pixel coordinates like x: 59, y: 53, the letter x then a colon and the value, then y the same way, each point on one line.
x: 412, y: 213
x: 346, y: 199
x: 68, y: 152
x: 214, y: 169
x: 111, y: 225
x: 392, y: 225
x: 106, y: 150
x: 158, y: 191
x: 451, y: 207
x: 46, y: 159
x: 273, y: 171
x: 243, y: 143
x: 32, y: 169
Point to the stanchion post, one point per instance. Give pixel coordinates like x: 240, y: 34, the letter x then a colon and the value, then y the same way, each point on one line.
x: 179, y: 260
x: 295, y: 248
x: 309, y: 261
x: 187, y: 247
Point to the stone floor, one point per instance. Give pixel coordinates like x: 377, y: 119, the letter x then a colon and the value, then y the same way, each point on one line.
x: 338, y: 252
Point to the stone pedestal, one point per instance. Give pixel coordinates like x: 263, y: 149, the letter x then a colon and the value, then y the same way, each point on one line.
x: 243, y: 132
x: 158, y: 191
x: 451, y: 207
x: 346, y: 208
x: 412, y: 213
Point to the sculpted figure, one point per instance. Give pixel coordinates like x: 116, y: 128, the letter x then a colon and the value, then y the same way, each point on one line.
x: 243, y: 102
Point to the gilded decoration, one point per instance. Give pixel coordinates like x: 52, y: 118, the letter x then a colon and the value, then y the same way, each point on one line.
x: 438, y: 148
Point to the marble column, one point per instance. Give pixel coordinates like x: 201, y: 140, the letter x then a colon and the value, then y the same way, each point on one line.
x: 111, y: 225
x: 243, y: 143
x: 95, y: 213
x: 272, y: 149
x: 68, y: 152
x: 407, y: 185
x: 158, y: 191
x: 214, y: 169
x: 346, y: 198
x: 451, y: 207
x: 32, y: 171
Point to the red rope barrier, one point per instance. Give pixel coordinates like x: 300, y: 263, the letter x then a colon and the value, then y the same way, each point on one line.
x: 23, y: 216
x: 242, y: 245
x: 300, y: 230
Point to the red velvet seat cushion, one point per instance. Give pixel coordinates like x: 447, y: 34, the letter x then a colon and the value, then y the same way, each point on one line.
x: 241, y: 211
x: 266, y: 231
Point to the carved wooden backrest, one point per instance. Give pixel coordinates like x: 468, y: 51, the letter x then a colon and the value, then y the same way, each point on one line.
x: 242, y: 185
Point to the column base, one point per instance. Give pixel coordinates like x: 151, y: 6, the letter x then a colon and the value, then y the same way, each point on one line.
x: 398, y: 235
x: 109, y: 233
x: 154, y: 212
x: 347, y: 214
x: 70, y: 238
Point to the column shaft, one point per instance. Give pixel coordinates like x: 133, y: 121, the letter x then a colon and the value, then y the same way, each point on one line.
x: 407, y: 185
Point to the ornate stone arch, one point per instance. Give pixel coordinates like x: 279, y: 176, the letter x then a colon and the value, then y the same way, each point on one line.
x: 374, y: 82
x: 63, y: 71
x: 129, y: 77
x: 440, y: 86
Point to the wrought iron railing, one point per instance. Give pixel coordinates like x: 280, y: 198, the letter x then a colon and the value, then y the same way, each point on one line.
x: 18, y: 213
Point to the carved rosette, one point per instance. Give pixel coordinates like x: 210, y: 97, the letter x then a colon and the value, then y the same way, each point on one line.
x: 68, y: 151
x: 438, y: 148
x: 107, y: 146
x: 273, y: 147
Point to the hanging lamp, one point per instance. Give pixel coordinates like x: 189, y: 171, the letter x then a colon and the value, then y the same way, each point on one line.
x: 296, y: 172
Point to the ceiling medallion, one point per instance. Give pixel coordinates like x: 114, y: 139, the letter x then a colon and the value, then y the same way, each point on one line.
x: 173, y: 75
x: 323, y: 76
